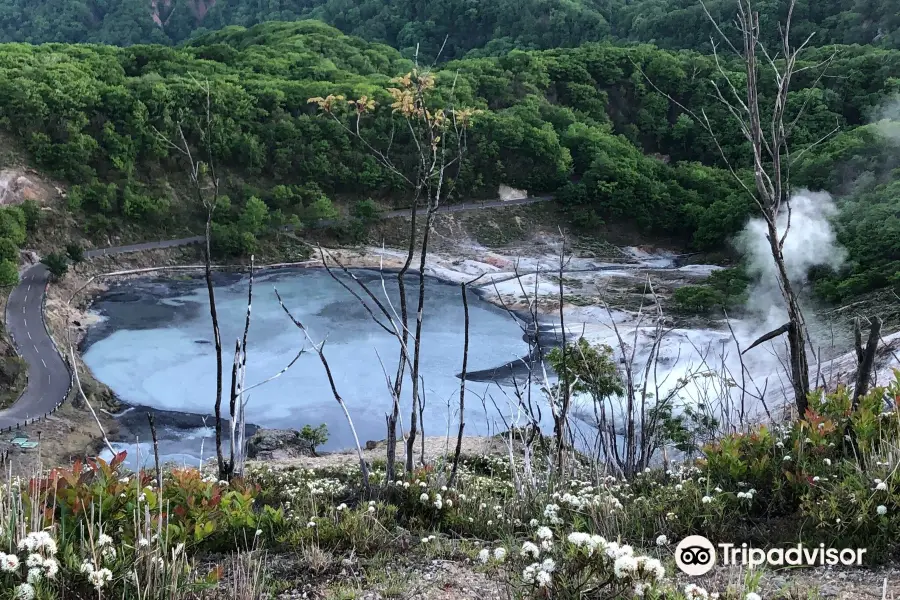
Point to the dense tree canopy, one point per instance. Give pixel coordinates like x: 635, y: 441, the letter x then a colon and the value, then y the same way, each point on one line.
x: 479, y: 26
x: 581, y: 122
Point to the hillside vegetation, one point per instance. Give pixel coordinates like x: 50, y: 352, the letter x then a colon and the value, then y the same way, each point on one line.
x: 473, y: 26
x: 583, y: 123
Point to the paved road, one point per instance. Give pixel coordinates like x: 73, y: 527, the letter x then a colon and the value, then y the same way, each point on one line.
x: 48, y: 375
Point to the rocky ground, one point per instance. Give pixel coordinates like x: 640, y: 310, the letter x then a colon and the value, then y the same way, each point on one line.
x: 295, y: 454
x: 418, y: 575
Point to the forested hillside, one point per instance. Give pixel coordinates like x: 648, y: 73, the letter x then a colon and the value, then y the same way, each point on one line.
x: 580, y: 122
x: 477, y: 26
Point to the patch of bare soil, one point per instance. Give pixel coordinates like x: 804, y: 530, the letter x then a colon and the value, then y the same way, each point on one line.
x: 316, y: 574
x: 818, y: 582
x: 68, y: 434
x: 435, y: 448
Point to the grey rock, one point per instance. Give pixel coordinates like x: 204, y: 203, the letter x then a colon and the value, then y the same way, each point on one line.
x: 278, y: 444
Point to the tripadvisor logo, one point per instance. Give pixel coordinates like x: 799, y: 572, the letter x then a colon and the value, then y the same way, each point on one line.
x: 696, y: 555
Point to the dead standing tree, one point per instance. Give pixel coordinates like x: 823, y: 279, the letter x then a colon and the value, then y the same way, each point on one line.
x: 438, y: 139
x: 768, y: 131
x: 205, y: 184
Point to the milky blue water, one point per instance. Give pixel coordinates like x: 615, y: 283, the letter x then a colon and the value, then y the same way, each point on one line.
x: 154, y: 349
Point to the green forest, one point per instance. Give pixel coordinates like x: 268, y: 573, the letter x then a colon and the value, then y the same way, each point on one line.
x: 461, y: 27
x: 581, y: 122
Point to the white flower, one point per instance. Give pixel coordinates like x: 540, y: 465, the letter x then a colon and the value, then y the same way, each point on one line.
x: 881, y: 510
x: 499, y: 554
x: 882, y: 486
x: 100, y: 577
x: 52, y: 567
x: 311, y: 524
x: 34, y: 560
x: 827, y: 462
x: 528, y: 575
x: 579, y: 539
x: 9, y: 562
x: 25, y: 591
x: 695, y: 592
x: 371, y: 503
x: 35, y: 575
x: 342, y: 506
x: 752, y: 596
x: 706, y: 499
x: 651, y: 567
x: 484, y: 555
x: 624, y: 566
x: 449, y: 503
x: 786, y: 458
x: 546, y: 544
x: 544, y: 533
x: 548, y: 565
x: 679, y: 487
x: 87, y: 567
x: 543, y: 578
x: 533, y: 522
x: 662, y: 540
x: 424, y: 498
x: 371, y: 509
x: 143, y: 543
x: 530, y: 549
x: 104, y: 540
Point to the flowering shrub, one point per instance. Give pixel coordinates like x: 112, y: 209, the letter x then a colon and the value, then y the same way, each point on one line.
x: 832, y: 472
x: 584, y: 562
x: 31, y: 567
x: 192, y: 509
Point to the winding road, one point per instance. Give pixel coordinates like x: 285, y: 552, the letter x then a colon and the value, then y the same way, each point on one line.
x: 48, y: 373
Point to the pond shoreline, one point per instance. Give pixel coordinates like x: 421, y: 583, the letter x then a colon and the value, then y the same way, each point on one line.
x: 513, y: 281
x: 155, y: 289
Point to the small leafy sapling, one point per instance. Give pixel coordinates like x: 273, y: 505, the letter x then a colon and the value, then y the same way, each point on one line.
x: 314, y: 436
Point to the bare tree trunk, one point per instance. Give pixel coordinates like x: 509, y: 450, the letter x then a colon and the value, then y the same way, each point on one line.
x: 866, y: 358
x: 462, y: 387
x: 224, y: 469
x: 796, y: 325
x: 417, y: 339
x: 561, y: 421
x: 401, y: 363
x: 155, y: 452
x: 238, y: 373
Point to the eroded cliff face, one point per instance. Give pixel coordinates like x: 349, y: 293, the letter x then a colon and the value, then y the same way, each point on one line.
x: 199, y: 8
x: 161, y: 10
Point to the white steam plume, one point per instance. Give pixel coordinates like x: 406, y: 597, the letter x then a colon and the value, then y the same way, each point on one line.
x: 810, y: 242
x: 888, y: 120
